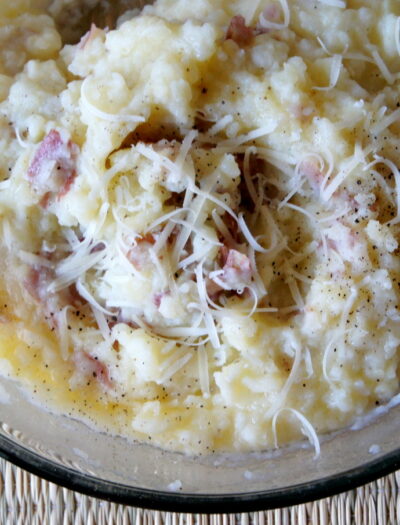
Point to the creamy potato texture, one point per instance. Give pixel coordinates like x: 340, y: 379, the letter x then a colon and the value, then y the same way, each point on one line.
x: 200, y: 217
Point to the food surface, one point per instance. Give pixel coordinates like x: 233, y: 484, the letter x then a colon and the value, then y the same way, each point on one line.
x: 200, y: 215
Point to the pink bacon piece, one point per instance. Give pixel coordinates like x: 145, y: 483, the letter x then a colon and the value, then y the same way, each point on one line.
x: 139, y: 255
x: 36, y: 284
x: 239, y: 32
x: 237, y: 270
x: 53, y: 169
x: 313, y: 174
x: 37, y: 281
x: 92, y: 367
x: 236, y: 273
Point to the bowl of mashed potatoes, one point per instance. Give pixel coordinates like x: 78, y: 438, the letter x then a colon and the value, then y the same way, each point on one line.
x: 200, y: 216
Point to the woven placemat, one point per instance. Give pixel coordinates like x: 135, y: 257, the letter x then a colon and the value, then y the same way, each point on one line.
x: 29, y: 500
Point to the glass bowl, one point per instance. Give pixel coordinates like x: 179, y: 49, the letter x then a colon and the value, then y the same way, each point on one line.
x: 71, y: 454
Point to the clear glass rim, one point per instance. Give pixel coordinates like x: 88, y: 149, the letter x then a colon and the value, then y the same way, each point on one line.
x: 197, y: 503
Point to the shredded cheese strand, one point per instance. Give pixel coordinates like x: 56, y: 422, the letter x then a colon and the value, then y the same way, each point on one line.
x: 248, y: 235
x: 62, y: 327
x: 204, y: 379
x: 387, y: 75
x: 96, y: 112
x: 220, y: 125
x: 336, y: 67
x: 306, y: 428
x: 396, y: 173
x: 337, y: 181
x: 385, y: 122
x: 291, y: 378
x: 397, y: 34
x: 334, y: 3
x: 84, y: 292
x: 174, y: 368
x: 208, y: 318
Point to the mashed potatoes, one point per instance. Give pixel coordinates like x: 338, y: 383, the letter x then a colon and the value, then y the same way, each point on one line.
x: 200, y: 214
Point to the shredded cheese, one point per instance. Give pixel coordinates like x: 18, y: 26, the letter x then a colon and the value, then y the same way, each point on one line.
x: 387, y: 75
x: 397, y: 34
x: 102, y: 115
x: 336, y: 67
x: 306, y: 428
x: 334, y: 3
x: 204, y: 379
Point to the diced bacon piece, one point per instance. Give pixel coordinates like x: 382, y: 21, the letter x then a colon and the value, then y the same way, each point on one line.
x: 37, y: 281
x: 158, y: 297
x: 237, y: 270
x: 53, y: 169
x: 223, y: 255
x: 148, y: 237
x: 236, y: 273
x: 239, y: 32
x: 36, y: 284
x: 312, y: 172
x: 99, y: 247
x: 90, y: 366
x: 139, y: 255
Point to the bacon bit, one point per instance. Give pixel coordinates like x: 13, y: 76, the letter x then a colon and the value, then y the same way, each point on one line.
x: 236, y: 273
x: 232, y: 227
x: 239, y: 32
x: 157, y: 298
x: 237, y: 270
x: 45, y: 200
x: 214, y: 290
x: 91, y: 366
x: 374, y: 207
x: 36, y: 282
x: 138, y: 255
x: 112, y: 321
x: 115, y: 345
x: 223, y: 253
x: 99, y: 247
x: 89, y: 36
x: 53, y: 169
x: 148, y: 237
x: 313, y: 174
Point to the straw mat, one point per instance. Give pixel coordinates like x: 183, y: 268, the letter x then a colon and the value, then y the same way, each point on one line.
x: 29, y: 500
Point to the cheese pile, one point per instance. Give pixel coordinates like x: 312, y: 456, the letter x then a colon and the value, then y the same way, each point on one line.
x: 200, y: 217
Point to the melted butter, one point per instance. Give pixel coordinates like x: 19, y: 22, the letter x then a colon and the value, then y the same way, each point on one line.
x: 47, y: 376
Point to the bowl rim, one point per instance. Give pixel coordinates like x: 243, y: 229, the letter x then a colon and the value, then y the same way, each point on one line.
x: 197, y: 503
